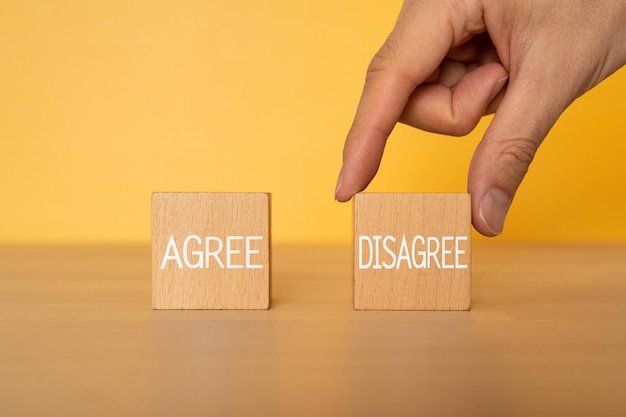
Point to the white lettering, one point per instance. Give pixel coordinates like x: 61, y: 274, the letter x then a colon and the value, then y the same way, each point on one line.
x: 213, y: 254
x: 423, y: 252
x: 389, y: 251
x: 252, y: 252
x: 433, y: 253
x: 236, y: 253
x: 371, y: 250
x: 422, y: 264
x: 403, y: 253
x: 171, y: 245
x: 445, y: 252
x: 458, y: 252
x: 196, y: 253
x: 377, y: 251
x: 230, y: 252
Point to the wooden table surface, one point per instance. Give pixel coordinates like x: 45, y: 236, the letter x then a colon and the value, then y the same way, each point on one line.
x: 546, y: 336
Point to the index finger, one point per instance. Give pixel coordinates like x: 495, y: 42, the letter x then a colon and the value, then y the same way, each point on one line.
x: 415, y: 48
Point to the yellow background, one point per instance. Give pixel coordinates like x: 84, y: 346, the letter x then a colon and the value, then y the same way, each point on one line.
x: 104, y: 102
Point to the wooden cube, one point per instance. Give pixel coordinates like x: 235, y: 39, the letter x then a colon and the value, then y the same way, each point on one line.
x: 210, y: 251
x: 412, y: 251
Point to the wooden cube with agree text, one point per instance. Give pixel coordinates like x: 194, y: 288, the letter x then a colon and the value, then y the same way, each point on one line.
x: 412, y: 251
x: 210, y: 251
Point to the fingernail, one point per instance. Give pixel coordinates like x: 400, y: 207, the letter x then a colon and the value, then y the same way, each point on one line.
x: 493, y: 208
x: 498, y: 87
x: 338, y: 186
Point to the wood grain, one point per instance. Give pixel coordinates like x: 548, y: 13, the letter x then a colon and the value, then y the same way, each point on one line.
x: 436, y: 269
x: 238, y: 278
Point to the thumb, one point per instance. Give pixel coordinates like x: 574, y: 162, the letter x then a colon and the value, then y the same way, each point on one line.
x: 501, y: 160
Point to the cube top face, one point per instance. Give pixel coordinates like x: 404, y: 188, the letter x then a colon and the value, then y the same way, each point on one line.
x: 210, y: 251
x: 412, y: 251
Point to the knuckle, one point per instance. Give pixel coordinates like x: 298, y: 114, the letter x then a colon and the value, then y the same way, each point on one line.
x: 517, y: 154
x: 381, y: 60
x: 387, y: 62
x: 462, y: 120
x: 461, y: 126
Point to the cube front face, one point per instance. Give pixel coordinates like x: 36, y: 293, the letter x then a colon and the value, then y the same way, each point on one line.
x: 412, y: 251
x: 210, y: 251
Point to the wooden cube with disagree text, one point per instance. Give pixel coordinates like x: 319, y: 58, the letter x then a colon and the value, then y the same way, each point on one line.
x: 210, y: 251
x: 412, y: 251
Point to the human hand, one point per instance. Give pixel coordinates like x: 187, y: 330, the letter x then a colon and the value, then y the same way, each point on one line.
x: 449, y: 62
